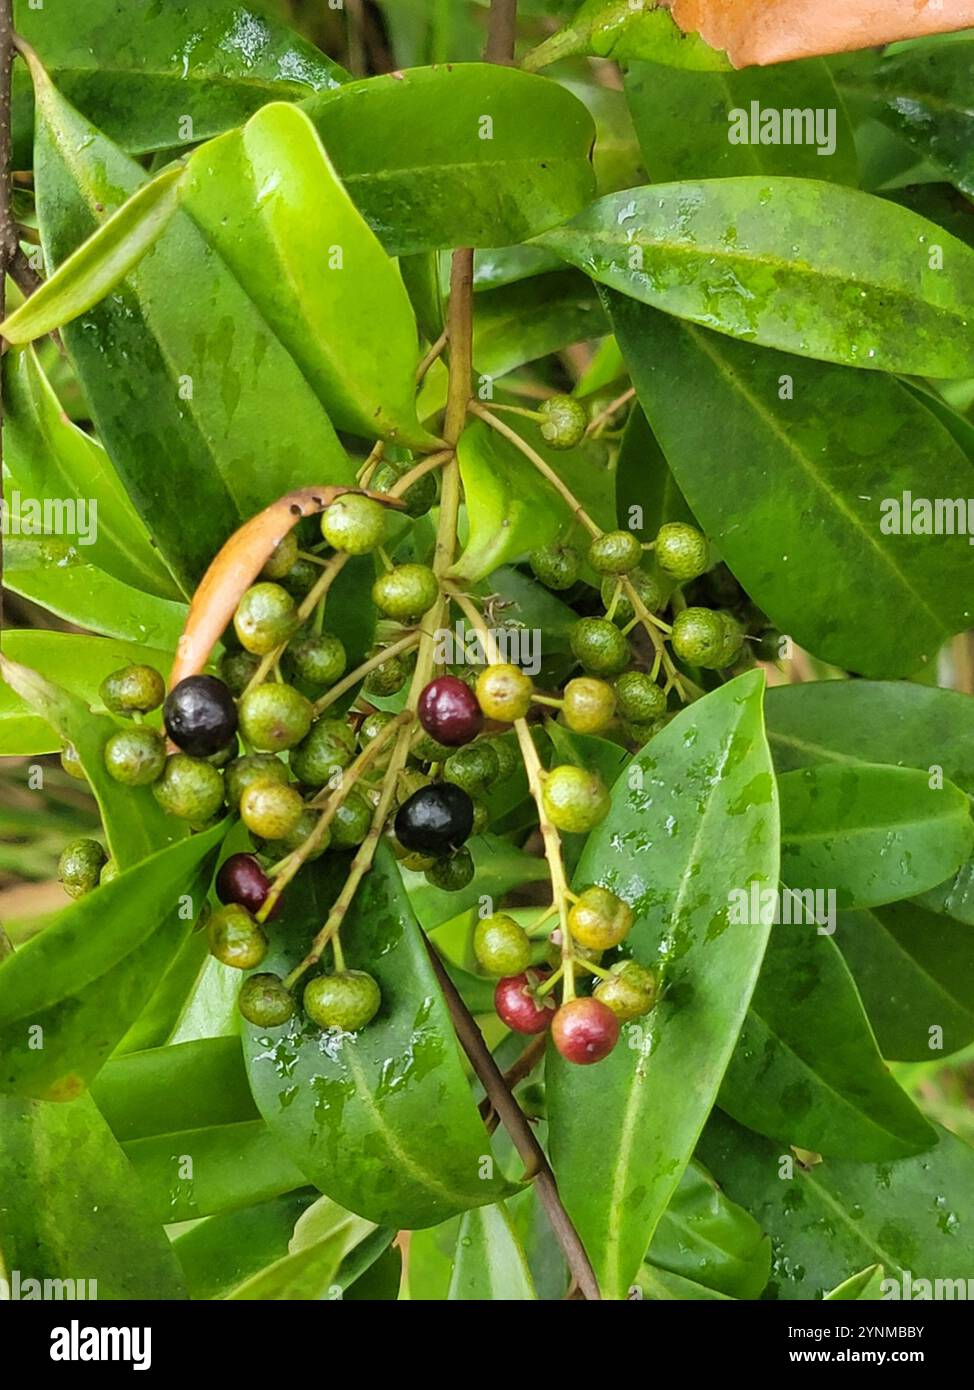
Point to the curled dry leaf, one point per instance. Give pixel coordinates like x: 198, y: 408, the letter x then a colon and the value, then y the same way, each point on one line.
x: 238, y: 563
x: 758, y: 32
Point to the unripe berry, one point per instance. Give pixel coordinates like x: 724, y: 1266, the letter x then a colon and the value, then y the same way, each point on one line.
x: 271, y: 810
x: 72, y: 763
x: 501, y: 945
x: 237, y: 670
x: 473, y: 768
x: 629, y: 991
x: 519, y: 1007
x: 615, y: 552
x: 277, y: 849
x: 354, y: 524
x: 556, y: 566
x: 406, y: 592
x: 681, y: 551
x: 135, y: 757
x: 574, y: 800
x: 418, y: 497
x: 640, y: 699
x: 133, y: 689
x: 79, y: 867
x: 320, y: 660
x: 274, y: 717
x: 453, y: 874
x: 588, y: 706
x: 647, y: 587
x: 189, y: 789
x: 252, y: 767
x: 584, y: 1031
x: 265, y: 1001
x: 281, y: 560
x: 235, y: 938
x: 699, y: 637
x: 599, y: 646
x: 266, y: 617
x: 504, y: 692
x: 599, y: 919
x: 388, y: 678
x: 733, y: 638
x: 449, y: 712
x: 351, y: 821
x: 563, y: 422
x: 327, y: 749
x: 346, y: 1001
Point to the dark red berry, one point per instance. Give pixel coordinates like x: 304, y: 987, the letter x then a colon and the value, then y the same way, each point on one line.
x: 200, y: 716
x: 242, y: 880
x: 435, y: 820
x: 449, y: 712
x: 517, y: 1006
x: 585, y: 1031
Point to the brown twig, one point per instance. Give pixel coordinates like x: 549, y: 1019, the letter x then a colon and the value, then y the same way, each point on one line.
x: 514, y: 1121
x: 501, y: 32
x: 514, y: 1075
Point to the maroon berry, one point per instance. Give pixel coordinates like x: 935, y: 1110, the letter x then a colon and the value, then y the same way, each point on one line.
x: 585, y: 1031
x: 242, y: 880
x: 517, y: 1006
x: 449, y: 712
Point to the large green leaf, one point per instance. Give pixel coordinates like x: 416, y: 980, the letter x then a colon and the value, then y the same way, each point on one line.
x: 135, y: 824
x: 79, y: 664
x: 770, y: 260
x: 77, y: 986
x: 694, y: 818
x: 619, y: 29
x: 645, y: 481
x: 164, y: 1089
x: 790, y: 490
x: 226, y: 1250
x: 923, y: 93
x: 489, y: 1265
x: 870, y: 833
x: 806, y: 1068
x: 47, y: 458
x: 506, y: 157
x: 323, y: 1236
x: 208, y: 404
x: 687, y: 122
x: 73, y: 1210
x: 267, y: 198
x: 915, y: 972
x: 836, y: 1216
x: 383, y: 1120
x: 705, y: 1237
x: 154, y: 76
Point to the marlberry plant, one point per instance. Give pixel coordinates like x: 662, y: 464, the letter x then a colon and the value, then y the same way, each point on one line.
x: 487, y: 536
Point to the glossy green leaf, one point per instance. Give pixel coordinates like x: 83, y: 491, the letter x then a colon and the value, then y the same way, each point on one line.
x: 792, y: 496
x: 770, y: 260
x: 79, y: 984
x: 694, y: 818
x: 267, y: 198
x: 871, y: 834
x: 616, y: 156
x: 499, y: 867
x: 489, y: 1265
x: 836, y: 1216
x: 806, y: 1068
x: 323, y: 1236
x: 73, y: 1210
x: 57, y: 574
x: 695, y: 125
x: 163, y: 75
x: 864, y: 1286
x: 186, y: 1086
x: 233, y: 422
x: 705, y: 1237
x: 506, y: 157
x: 923, y: 93
x: 47, y: 458
x: 645, y: 482
x: 79, y: 663
x: 660, y: 1286
x: 93, y: 271
x: 618, y: 29
x: 225, y: 1250
x: 915, y: 972
x: 383, y: 1120
x: 135, y: 824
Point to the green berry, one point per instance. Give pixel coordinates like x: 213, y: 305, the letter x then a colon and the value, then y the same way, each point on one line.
x: 189, y: 789
x: 135, y: 757
x: 409, y: 781
x: 79, y: 867
x: 301, y: 577
x: 427, y: 750
x: 507, y: 755
x: 681, y: 551
x: 563, y: 422
x: 556, y: 566
x: 329, y: 747
x: 72, y: 763
x: 354, y: 524
x: 629, y: 991
x: 270, y: 810
x: 253, y: 767
x: 320, y: 660
x: 647, y: 587
x: 588, y: 705
x: 733, y: 638
x: 346, y: 1001
x: 277, y: 849
x: 419, y: 863
x: 574, y: 800
x: 699, y: 637
x: 640, y: 699
x: 352, y: 821
x: 274, y: 717
x: 406, y: 592
x: 501, y: 945
x: 133, y: 689
x: 599, y: 919
x: 504, y: 692
x: 452, y: 874
x: 640, y: 734
x: 481, y: 816
x: 372, y: 725
x: 266, y: 617
x: 387, y: 678
x: 265, y: 1001
x: 599, y: 646
x: 418, y: 497
x: 237, y: 670
x: 615, y: 552
x: 473, y: 767
x: 235, y: 938
x: 281, y: 560
x: 109, y: 871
